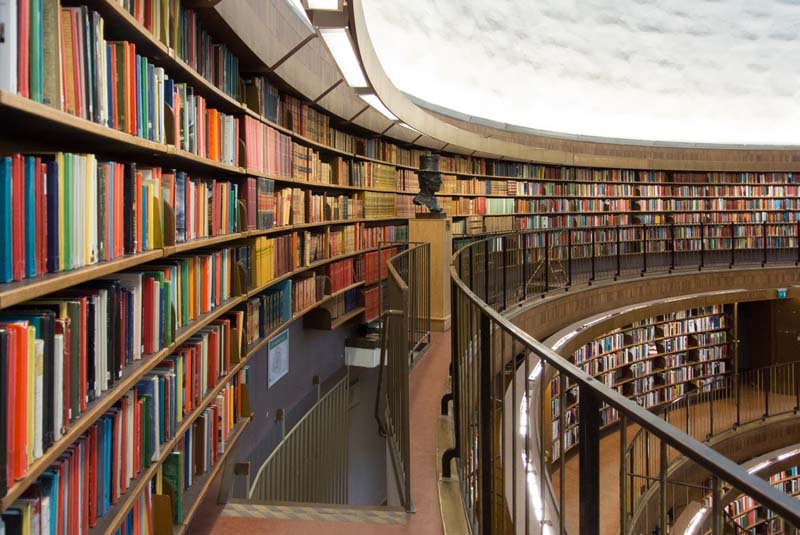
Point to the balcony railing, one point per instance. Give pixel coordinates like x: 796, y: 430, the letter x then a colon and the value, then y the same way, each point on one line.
x: 507, y: 483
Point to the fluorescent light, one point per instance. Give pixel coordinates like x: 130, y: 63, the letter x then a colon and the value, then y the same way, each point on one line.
x: 376, y: 103
x: 328, y: 5
x: 341, y: 48
x: 410, y: 128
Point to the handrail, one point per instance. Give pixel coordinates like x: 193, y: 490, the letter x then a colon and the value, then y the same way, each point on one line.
x: 486, y: 325
x: 405, y: 326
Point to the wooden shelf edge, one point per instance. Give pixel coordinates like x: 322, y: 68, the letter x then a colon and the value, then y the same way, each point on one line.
x: 347, y: 316
x: 13, y: 293
x: 195, y: 494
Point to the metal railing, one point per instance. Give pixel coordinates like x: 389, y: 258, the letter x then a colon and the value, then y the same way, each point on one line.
x: 507, y: 483
x: 723, y: 404
x: 405, y: 332
x: 310, y: 464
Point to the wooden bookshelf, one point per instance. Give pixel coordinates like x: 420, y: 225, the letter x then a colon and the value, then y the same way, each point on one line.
x: 646, y: 376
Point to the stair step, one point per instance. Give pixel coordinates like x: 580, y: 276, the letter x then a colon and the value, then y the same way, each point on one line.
x: 316, y: 511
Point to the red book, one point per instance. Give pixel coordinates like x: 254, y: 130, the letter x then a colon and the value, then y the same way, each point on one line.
x: 77, y: 52
x: 74, y: 493
x: 23, y: 47
x: 123, y: 467
x: 119, y: 237
x: 130, y: 90
x: 149, y: 304
x: 16, y: 402
x: 213, y: 357
x: 18, y: 216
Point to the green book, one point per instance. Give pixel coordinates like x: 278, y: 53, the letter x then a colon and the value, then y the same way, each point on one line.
x: 35, y: 52
x: 172, y: 476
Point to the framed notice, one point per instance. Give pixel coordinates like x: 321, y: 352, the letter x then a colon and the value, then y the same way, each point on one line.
x: 278, y: 358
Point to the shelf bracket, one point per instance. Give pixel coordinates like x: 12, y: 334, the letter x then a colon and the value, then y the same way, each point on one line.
x: 292, y: 51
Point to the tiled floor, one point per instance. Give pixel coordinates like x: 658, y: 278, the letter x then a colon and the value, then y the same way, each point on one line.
x: 426, y: 382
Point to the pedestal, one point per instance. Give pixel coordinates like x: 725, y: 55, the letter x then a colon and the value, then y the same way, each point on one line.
x: 438, y: 233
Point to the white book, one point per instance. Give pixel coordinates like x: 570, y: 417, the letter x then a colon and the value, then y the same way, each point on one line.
x: 8, y: 45
x: 91, y: 209
x: 38, y: 422
x: 58, y: 386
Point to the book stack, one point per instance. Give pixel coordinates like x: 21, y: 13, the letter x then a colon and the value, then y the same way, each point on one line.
x: 306, y: 291
x: 341, y: 274
x: 274, y: 257
x: 266, y: 149
x: 370, y: 299
x: 343, y: 240
x: 378, y: 204
x: 269, y: 310
x: 372, y: 236
x: 262, y: 97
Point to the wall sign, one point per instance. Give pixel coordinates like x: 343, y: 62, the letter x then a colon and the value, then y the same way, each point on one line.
x: 277, y: 358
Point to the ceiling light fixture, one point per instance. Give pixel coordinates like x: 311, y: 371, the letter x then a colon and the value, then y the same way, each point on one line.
x: 376, y: 103
x: 326, y: 5
x: 341, y: 48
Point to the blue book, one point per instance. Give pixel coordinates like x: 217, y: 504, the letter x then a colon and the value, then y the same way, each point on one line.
x: 109, y: 432
x: 180, y: 205
x: 6, y: 264
x: 48, y: 483
x: 53, y: 227
x: 30, y: 215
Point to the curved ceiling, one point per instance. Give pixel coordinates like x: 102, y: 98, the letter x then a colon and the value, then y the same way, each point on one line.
x: 698, y: 71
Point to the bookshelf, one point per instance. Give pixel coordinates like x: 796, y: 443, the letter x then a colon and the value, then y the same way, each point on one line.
x: 246, y: 129
x: 752, y: 518
x: 652, y: 361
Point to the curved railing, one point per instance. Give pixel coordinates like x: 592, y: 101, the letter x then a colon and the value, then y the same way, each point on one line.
x: 725, y: 403
x: 507, y: 483
x: 406, y: 331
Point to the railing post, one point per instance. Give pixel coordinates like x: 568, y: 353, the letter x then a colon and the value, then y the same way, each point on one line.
x: 662, y: 506
x: 796, y: 388
x: 710, y: 410
x: 589, y: 463
x: 486, y: 427
x: 591, y: 279
x: 619, y: 246
x: 764, y: 243
x: 672, y: 249
x: 471, y: 269
x: 644, y: 250
x: 524, y: 250
x: 716, y: 507
x: 702, y: 247
x: 766, y: 397
x: 569, y: 258
x: 453, y: 452
x: 505, y: 278
x: 623, y: 475
x: 486, y: 272
x: 733, y: 245
x: 546, y: 261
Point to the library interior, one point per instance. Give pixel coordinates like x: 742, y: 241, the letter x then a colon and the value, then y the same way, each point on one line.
x: 432, y: 267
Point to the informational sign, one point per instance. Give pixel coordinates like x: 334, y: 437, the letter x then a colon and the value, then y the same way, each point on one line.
x: 781, y: 293
x: 278, y: 358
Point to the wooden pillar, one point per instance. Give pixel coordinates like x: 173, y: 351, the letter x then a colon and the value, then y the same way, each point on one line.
x: 438, y: 233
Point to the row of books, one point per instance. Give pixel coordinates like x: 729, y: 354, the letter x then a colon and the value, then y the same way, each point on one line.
x: 341, y: 274
x: 306, y: 291
x: 98, y: 470
x: 342, y: 304
x: 108, y: 82
x: 62, y: 352
x: 179, y: 28
x: 269, y: 310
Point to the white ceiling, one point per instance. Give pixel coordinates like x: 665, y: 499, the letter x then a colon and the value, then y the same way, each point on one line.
x: 708, y: 71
